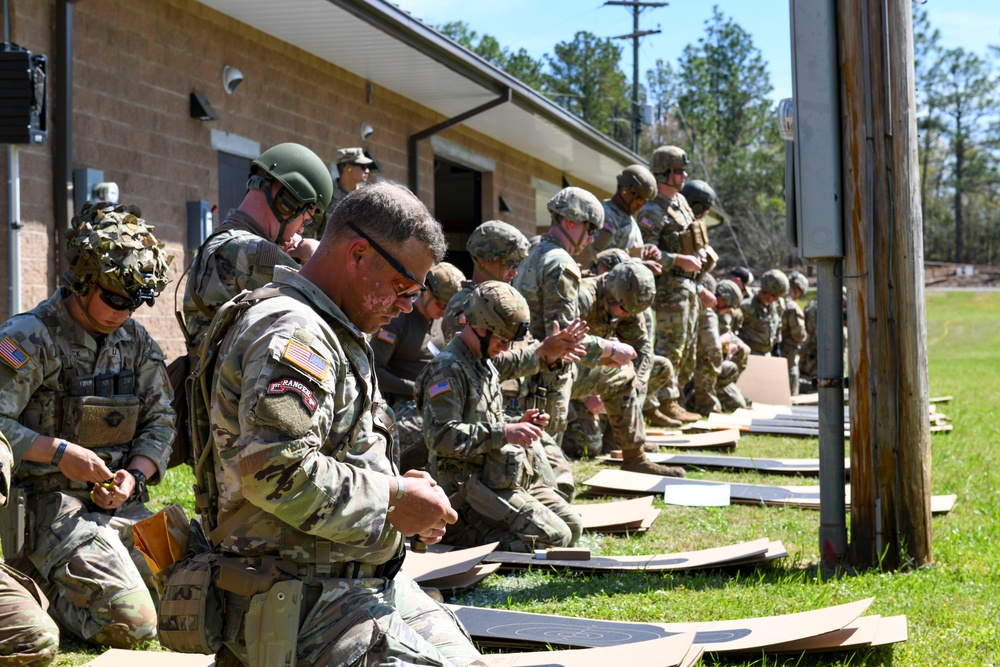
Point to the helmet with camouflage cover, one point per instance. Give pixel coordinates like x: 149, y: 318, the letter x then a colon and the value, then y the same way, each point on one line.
x: 578, y: 205
x: 495, y: 239
x: 799, y: 281
x: 632, y: 286
x: 638, y: 181
x: 499, y: 308
x: 774, y: 282
x: 699, y: 195
x: 300, y: 171
x: 112, y: 245
x: 665, y: 159
x: 443, y: 280
x: 610, y: 258
x: 728, y: 293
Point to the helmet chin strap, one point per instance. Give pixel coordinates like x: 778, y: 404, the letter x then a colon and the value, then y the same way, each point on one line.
x: 85, y: 307
x: 283, y: 222
x: 484, y: 343
x: 575, y: 247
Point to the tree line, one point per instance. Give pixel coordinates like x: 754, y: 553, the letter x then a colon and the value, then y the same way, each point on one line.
x: 714, y: 102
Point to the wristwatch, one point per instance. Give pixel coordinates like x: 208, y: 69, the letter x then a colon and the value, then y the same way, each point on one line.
x: 139, y: 491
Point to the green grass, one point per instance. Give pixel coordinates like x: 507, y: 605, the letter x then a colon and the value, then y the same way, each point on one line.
x: 952, y: 608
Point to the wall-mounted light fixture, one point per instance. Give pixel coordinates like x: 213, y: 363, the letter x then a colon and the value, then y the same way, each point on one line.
x: 231, y: 77
x: 201, y: 109
x: 366, y: 131
x: 502, y: 205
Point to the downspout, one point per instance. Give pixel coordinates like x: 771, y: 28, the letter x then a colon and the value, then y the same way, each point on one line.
x: 62, y: 112
x: 13, y: 206
x: 414, y: 156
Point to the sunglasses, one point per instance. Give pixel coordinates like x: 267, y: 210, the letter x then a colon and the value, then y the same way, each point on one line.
x: 130, y: 302
x: 519, y: 334
x: 397, y: 285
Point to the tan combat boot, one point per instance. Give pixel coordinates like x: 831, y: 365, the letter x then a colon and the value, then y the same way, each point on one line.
x: 634, y: 460
x: 673, y: 409
x: 656, y: 418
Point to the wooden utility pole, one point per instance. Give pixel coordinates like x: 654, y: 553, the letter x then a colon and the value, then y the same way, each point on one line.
x: 884, y: 276
x: 637, y: 6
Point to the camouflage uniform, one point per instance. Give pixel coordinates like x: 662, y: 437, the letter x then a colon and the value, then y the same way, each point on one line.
x: 296, y: 433
x: 619, y: 231
x: 793, y: 335
x: 508, y: 493
x: 85, y: 558
x: 716, y: 372
x: 238, y: 256
x: 808, y: 360
x: 761, y: 326
x: 28, y: 636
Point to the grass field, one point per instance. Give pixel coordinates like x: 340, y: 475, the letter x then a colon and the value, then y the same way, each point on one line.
x: 953, y: 607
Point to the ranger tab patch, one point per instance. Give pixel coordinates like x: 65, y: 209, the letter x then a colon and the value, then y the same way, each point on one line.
x: 387, y: 336
x: 439, y: 388
x: 12, y: 354
x: 300, y: 356
x: 284, y: 385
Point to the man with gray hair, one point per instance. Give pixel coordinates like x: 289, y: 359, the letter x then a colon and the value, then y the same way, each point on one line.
x: 302, y: 448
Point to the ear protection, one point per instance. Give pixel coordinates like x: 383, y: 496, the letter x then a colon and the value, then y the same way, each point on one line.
x: 285, y: 206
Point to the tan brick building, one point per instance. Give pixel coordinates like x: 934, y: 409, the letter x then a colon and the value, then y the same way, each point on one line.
x: 124, y: 76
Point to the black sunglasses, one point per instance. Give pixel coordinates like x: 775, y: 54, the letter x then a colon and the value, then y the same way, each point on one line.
x: 394, y: 263
x: 122, y: 302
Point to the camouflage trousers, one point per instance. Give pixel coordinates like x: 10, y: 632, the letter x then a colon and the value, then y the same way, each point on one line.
x: 28, y: 636
x: 557, y: 385
x: 792, y: 353
x: 97, y: 582
x: 676, y: 334
x: 375, y: 622
x: 410, y: 436
x: 618, y: 389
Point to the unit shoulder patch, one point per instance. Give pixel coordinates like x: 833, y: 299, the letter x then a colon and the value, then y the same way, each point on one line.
x: 12, y: 354
x: 439, y: 388
x: 288, y: 384
x: 387, y: 336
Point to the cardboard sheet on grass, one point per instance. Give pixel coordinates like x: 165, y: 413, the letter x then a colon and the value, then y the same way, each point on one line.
x: 742, y: 553
x: 501, y: 628
x: 774, y: 466
x: 669, y: 651
x: 635, y: 515
x: 117, y: 657
x: 714, y: 438
x: 618, y: 482
x: 765, y: 380
x: 429, y: 566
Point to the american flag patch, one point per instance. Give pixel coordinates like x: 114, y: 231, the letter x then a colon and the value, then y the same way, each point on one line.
x: 439, y: 388
x: 302, y: 357
x: 12, y: 354
x: 461, y: 319
x: 646, y: 222
x: 387, y: 336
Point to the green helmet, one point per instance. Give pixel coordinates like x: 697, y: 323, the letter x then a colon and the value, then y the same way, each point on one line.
x: 499, y: 308
x: 774, y: 282
x: 699, y: 195
x: 665, y: 159
x: 443, y: 280
x: 638, y: 180
x: 728, y: 293
x: 113, y: 245
x: 300, y: 171
x: 578, y: 205
x: 632, y: 285
x: 799, y: 280
x: 610, y: 258
x: 495, y: 239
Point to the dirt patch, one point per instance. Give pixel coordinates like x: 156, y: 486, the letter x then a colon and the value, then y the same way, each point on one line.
x: 943, y: 275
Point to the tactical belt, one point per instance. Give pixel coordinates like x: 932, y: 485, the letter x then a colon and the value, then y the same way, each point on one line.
x: 683, y: 274
x: 349, y: 570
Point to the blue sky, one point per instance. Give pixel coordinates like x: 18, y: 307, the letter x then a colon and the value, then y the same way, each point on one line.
x: 537, y: 25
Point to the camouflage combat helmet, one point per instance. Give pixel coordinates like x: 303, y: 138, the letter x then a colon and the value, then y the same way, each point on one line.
x: 113, y: 245
x: 302, y: 173
x: 443, y: 280
x: 665, y: 159
x: 799, y: 280
x: 495, y: 239
x: 728, y: 293
x: 610, y: 258
x: 578, y: 205
x: 699, y: 195
x: 498, y: 308
x: 632, y: 286
x: 638, y: 181
x: 774, y: 282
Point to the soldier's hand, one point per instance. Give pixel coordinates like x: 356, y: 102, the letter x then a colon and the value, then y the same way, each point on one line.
x: 651, y: 252
x: 653, y: 266
x: 687, y: 263
x: 707, y: 298
x: 424, y: 508
x: 594, y: 405
x: 523, y: 433
x: 617, y: 354
x: 564, y: 344
x: 113, y: 495
x: 300, y: 248
x: 536, y: 417
x: 80, y: 464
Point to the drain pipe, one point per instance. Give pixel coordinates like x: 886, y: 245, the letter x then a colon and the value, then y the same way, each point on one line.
x: 414, y: 156
x: 13, y: 207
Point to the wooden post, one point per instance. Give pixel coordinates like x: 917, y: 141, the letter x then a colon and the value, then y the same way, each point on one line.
x: 884, y: 276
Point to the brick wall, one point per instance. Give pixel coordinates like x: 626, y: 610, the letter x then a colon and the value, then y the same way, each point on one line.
x: 135, y: 63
